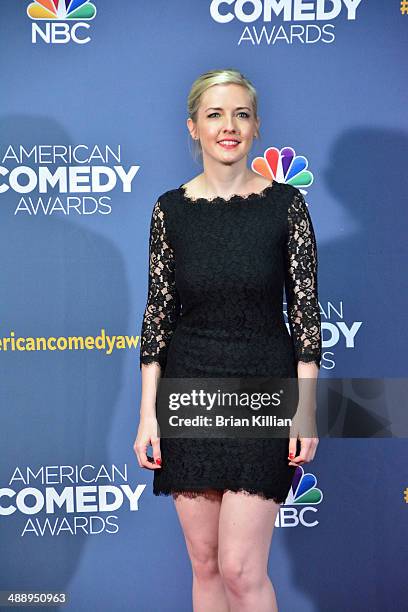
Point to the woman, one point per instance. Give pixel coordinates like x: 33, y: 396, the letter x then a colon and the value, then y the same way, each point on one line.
x: 222, y: 247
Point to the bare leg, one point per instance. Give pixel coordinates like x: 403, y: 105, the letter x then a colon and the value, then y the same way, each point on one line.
x: 199, y: 520
x: 245, y: 532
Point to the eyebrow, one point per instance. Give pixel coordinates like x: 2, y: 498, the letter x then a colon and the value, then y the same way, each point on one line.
x: 220, y: 108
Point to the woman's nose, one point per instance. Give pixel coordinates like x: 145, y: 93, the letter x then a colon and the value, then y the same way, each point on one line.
x: 230, y: 125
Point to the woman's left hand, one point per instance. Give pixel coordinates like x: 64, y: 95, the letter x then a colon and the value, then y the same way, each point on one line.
x: 301, y: 427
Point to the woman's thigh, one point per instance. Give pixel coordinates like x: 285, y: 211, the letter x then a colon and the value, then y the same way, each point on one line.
x: 246, y: 525
x: 199, y: 517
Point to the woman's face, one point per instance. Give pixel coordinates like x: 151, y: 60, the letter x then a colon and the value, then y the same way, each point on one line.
x: 226, y: 124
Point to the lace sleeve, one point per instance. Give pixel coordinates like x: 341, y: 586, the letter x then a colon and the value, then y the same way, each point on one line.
x: 301, y: 283
x: 163, y: 304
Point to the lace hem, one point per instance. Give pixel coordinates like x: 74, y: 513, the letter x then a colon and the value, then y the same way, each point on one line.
x: 233, y: 198
x: 310, y: 358
x: 149, y: 360
x: 213, y: 493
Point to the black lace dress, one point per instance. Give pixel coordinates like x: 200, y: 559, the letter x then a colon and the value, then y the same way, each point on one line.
x: 217, y: 270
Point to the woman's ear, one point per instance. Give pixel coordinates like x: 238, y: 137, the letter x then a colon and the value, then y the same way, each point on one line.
x: 258, y: 123
x: 192, y: 128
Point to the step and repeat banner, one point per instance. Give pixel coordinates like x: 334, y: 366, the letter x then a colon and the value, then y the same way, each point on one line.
x: 93, y: 110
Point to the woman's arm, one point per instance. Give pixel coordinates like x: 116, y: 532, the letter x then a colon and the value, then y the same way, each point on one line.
x: 159, y: 321
x: 301, y: 288
x: 162, y: 309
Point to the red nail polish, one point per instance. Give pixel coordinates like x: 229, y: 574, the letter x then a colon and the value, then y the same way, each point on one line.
x: 158, y: 461
x: 291, y: 455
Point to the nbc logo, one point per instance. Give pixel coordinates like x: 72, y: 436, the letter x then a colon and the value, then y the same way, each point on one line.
x: 302, y: 500
x: 284, y: 166
x: 60, y: 21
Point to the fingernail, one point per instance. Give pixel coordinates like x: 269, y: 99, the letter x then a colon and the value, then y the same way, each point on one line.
x: 158, y: 461
x: 291, y: 455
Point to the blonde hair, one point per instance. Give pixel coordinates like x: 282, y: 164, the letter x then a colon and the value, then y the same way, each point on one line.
x: 205, y: 81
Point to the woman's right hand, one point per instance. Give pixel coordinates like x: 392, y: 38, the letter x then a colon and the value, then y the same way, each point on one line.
x: 147, y: 434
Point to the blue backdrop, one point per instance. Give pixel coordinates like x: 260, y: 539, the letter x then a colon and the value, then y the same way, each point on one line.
x: 94, y: 94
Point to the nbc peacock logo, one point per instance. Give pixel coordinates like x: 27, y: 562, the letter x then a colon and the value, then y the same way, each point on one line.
x: 60, y: 21
x: 303, y: 489
x: 285, y: 166
x: 61, y: 9
x: 301, y: 502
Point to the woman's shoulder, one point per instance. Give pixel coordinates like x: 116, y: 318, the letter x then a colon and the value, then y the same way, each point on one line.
x: 165, y: 200
x: 177, y: 193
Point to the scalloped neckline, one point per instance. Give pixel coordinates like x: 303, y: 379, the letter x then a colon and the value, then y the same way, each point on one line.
x: 233, y: 198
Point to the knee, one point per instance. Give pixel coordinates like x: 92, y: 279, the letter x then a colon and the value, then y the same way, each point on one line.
x: 238, y: 576
x: 204, y: 560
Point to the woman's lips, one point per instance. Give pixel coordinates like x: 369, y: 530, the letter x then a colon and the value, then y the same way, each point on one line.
x: 229, y: 145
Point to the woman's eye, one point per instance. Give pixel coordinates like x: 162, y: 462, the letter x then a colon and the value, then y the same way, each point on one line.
x: 241, y: 113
